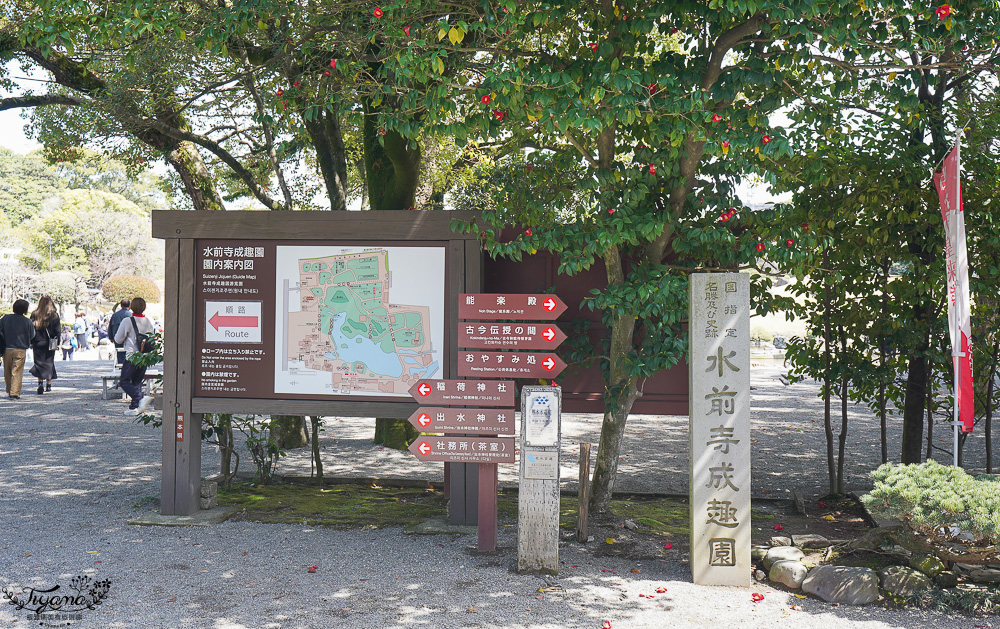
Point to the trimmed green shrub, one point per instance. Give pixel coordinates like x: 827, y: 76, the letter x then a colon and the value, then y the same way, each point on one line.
x: 943, y: 503
x: 118, y: 287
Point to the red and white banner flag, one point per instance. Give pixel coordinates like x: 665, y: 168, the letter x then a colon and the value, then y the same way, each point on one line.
x: 959, y: 324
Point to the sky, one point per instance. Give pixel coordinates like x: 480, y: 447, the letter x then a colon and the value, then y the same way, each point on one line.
x: 12, y: 132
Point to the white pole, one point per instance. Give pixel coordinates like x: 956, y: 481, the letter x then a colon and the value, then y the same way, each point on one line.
x: 956, y: 345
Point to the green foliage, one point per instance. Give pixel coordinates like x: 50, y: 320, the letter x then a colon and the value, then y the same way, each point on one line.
x: 153, y: 356
x: 974, y: 600
x: 63, y: 287
x: 26, y: 182
x: 118, y: 287
x: 941, y: 502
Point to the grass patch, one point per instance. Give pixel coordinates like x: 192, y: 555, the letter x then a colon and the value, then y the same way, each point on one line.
x: 340, y: 506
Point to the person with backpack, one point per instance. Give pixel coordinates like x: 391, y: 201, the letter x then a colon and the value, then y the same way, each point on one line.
x: 116, y: 321
x: 17, y: 332
x: 133, y: 333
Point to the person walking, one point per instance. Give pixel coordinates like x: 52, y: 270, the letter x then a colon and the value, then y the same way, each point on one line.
x: 67, y: 342
x: 130, y: 333
x: 80, y: 330
x: 46, y: 342
x: 18, y: 333
x: 116, y: 320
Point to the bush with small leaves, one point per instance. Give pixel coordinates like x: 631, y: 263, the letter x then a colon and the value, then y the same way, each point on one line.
x: 943, y: 503
x: 118, y: 287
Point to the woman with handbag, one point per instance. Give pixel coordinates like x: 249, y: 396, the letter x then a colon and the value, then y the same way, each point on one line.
x: 46, y: 342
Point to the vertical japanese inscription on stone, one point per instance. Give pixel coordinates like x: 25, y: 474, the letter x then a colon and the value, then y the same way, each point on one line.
x: 719, y: 362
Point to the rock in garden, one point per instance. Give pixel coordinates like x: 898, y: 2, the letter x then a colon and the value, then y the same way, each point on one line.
x: 928, y: 564
x: 810, y: 541
x: 757, y: 553
x: 842, y: 584
x: 904, y: 582
x: 788, y: 573
x: 946, y: 579
x: 760, y: 575
x: 782, y: 553
x: 781, y: 541
x: 978, y: 574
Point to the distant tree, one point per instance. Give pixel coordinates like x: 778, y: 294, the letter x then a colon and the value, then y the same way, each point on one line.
x: 26, y: 182
x: 64, y: 287
x: 92, y: 232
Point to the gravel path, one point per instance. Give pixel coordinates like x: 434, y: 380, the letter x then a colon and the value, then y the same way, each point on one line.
x: 73, y: 471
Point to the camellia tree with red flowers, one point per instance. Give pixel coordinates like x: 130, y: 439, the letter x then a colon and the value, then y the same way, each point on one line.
x: 617, y: 130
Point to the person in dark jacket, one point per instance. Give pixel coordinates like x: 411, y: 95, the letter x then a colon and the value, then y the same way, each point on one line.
x: 47, y: 329
x: 116, y: 320
x: 18, y: 333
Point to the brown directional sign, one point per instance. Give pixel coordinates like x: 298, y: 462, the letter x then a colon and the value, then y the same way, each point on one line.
x: 509, y: 364
x: 545, y: 336
x: 496, y: 306
x: 464, y: 449
x: 464, y: 420
x: 464, y: 392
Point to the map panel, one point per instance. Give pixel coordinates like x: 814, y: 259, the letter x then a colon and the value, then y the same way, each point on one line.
x: 342, y: 331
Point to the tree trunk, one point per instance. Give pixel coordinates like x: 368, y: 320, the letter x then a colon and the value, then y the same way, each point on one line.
x: 622, y: 394
x: 916, y: 392
x: 224, y: 435
x: 988, y: 417
x: 930, y: 422
x: 831, y: 465
x: 394, y: 433
x: 332, y: 156
x: 289, y: 431
x: 842, y: 438
x: 316, y: 458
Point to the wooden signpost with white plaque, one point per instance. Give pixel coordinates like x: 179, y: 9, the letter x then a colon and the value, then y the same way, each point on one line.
x: 719, y: 360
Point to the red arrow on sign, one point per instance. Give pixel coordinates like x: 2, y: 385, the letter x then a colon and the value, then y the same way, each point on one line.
x: 424, y: 389
x: 548, y: 334
x: 219, y: 321
x: 549, y: 304
x: 549, y: 364
x: 424, y: 448
x: 424, y: 420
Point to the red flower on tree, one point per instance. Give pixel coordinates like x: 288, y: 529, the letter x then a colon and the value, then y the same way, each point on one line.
x: 593, y: 46
x: 333, y: 63
x: 790, y: 242
x: 652, y: 169
x: 765, y: 139
x: 725, y: 143
x: 943, y: 11
x: 716, y: 117
x: 527, y: 232
x: 281, y: 92
x: 485, y: 99
x: 406, y: 29
x: 760, y: 249
x: 378, y: 12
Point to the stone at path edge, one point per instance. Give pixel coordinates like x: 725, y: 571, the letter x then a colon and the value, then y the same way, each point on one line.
x: 842, y: 584
x: 788, y: 573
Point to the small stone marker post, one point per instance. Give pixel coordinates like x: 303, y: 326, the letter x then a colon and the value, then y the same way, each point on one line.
x: 719, y: 362
x: 538, y: 498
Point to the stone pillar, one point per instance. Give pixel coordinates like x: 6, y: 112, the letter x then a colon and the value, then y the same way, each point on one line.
x: 538, y: 496
x: 719, y: 363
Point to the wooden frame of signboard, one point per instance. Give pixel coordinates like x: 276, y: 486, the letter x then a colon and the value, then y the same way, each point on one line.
x: 183, y: 409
